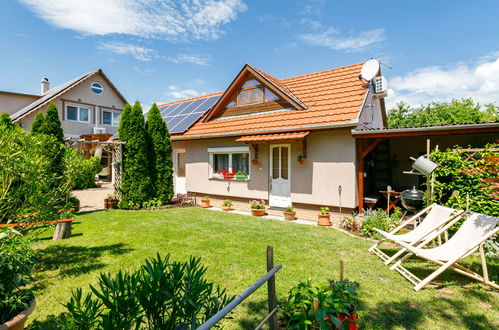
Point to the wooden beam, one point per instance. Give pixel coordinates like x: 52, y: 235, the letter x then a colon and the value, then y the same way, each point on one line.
x: 360, y: 173
x: 428, y: 133
x: 371, y: 147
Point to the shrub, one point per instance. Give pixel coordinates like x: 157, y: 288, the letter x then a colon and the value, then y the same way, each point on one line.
x: 378, y: 219
x: 16, y: 264
x: 87, y: 169
x: 162, y: 294
x: 332, y: 300
x: 350, y: 224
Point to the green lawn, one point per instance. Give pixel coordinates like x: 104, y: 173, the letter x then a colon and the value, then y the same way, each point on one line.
x: 233, y: 247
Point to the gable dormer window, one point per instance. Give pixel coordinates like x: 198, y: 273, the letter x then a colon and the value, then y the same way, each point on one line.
x: 251, y: 92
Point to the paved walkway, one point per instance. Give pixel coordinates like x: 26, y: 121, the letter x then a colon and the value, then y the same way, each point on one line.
x: 93, y: 199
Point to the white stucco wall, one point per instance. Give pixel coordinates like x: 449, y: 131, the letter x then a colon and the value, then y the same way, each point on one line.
x: 330, y: 163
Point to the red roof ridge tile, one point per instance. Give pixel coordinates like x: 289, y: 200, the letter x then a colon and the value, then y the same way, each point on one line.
x: 324, y: 71
x: 190, y: 99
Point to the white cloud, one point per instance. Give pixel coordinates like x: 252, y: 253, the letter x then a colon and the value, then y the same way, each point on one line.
x: 147, y: 54
x: 333, y: 38
x: 478, y: 80
x: 162, y: 19
x: 138, y: 52
x: 176, y: 93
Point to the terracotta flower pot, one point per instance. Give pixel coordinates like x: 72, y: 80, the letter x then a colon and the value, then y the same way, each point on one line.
x: 258, y: 212
x: 226, y: 208
x: 350, y: 320
x: 254, y: 162
x: 17, y: 322
x: 301, y: 161
x: 205, y: 203
x: 324, y: 219
x: 289, y: 215
x: 106, y: 203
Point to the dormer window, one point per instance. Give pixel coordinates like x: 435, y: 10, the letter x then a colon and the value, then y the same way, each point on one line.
x: 251, y: 92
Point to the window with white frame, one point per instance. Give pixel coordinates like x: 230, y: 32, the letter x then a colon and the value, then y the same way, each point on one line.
x: 111, y: 118
x: 78, y: 113
x: 229, y: 163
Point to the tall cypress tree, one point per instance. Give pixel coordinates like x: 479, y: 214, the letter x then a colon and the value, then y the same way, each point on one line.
x: 52, y: 124
x: 124, y: 123
x: 136, y: 186
x: 5, y: 121
x: 36, y: 127
x: 160, y: 155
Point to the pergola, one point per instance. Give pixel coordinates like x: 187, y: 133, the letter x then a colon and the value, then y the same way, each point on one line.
x: 368, y: 140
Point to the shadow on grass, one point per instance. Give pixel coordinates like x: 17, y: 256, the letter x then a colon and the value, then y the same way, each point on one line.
x: 73, y: 260
x: 52, y: 322
x: 49, y: 238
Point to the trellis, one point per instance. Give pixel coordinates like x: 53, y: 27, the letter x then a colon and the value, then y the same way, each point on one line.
x: 113, y: 147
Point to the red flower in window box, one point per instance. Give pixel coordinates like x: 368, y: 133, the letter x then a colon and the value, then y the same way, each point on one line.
x: 229, y: 175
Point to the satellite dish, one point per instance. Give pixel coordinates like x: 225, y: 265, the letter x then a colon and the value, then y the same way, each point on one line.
x: 369, y: 70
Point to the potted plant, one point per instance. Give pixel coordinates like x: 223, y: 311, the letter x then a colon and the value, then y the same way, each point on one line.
x: 257, y: 208
x: 116, y: 164
x: 16, y: 266
x: 289, y: 213
x: 300, y: 159
x: 227, y: 205
x: 324, y: 217
x: 254, y: 162
x: 205, y: 202
x: 110, y: 201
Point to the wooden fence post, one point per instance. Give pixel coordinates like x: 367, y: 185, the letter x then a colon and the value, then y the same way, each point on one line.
x: 271, y: 289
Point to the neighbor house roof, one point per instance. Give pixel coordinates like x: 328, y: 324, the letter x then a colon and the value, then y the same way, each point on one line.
x: 57, y: 91
x: 331, y: 98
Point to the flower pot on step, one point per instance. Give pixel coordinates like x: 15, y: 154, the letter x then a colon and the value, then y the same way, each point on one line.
x: 289, y: 215
x: 324, y: 219
x: 258, y: 212
x: 17, y: 322
x: 226, y: 208
x: 205, y: 203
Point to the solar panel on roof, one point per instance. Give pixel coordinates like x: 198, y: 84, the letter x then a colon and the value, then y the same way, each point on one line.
x: 180, y: 116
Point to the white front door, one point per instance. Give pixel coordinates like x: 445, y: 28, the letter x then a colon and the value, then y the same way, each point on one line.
x: 280, y: 175
x: 179, y: 177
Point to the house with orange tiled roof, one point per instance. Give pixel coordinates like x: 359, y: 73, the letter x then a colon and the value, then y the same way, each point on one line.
x: 286, y: 141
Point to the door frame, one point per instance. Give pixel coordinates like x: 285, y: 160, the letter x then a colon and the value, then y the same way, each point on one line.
x: 176, y: 153
x: 271, y: 163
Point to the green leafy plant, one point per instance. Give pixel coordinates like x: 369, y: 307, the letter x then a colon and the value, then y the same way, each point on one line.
x: 206, y: 198
x: 16, y: 265
x: 378, y: 219
x: 324, y: 210
x: 289, y: 208
x: 257, y: 205
x: 350, y: 224
x: 227, y: 202
x: 300, y: 157
x: 331, y: 301
x: 162, y: 294
x: 87, y: 169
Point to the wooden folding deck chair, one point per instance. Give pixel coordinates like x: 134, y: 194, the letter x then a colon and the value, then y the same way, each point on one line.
x: 436, y: 217
x: 476, y: 229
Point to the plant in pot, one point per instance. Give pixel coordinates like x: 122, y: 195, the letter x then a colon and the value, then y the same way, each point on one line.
x: 254, y: 162
x: 16, y: 265
x: 289, y: 213
x: 332, y: 306
x: 300, y: 159
x: 205, y: 202
x: 257, y: 207
x: 324, y: 217
x: 241, y: 175
x: 227, y: 205
x: 110, y: 201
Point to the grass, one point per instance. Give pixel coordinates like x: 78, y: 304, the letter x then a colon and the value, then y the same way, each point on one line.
x: 233, y: 247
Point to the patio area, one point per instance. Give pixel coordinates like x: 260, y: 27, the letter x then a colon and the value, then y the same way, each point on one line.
x: 232, y: 246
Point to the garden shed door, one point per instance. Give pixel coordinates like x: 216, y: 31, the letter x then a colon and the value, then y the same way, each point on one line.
x: 280, y: 175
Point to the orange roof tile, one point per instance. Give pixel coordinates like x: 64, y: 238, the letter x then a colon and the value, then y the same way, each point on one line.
x: 331, y: 97
x: 272, y: 137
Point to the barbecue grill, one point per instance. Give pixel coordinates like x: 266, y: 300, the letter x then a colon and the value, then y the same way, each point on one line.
x: 412, y: 199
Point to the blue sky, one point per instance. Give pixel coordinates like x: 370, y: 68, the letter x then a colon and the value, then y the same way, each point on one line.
x: 166, y: 50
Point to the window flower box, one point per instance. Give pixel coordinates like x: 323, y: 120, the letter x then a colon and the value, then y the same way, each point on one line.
x: 241, y: 176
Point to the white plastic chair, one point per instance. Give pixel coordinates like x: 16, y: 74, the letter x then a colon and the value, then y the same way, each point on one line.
x: 437, y: 216
x: 475, y: 230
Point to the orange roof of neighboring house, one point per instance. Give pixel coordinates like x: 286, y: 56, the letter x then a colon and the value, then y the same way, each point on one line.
x: 273, y: 137
x: 332, y: 97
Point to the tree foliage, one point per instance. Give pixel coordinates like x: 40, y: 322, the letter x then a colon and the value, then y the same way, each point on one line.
x: 136, y: 185
x: 52, y: 124
x: 159, y: 153
x: 441, y: 113
x: 36, y: 127
x: 5, y: 121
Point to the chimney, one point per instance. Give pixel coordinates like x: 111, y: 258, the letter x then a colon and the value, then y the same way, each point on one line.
x: 44, y: 86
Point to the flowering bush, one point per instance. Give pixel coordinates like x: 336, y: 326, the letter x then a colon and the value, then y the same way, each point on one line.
x: 350, y: 224
x: 257, y: 205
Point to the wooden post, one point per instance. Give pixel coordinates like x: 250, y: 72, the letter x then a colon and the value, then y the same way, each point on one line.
x: 271, y: 289
x: 342, y: 269
x: 428, y: 177
x: 62, y: 230
x: 484, y: 264
x: 360, y: 173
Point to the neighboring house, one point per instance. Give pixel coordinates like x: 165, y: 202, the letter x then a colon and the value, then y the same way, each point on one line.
x: 89, y: 104
x: 89, y: 107
x: 246, y: 142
